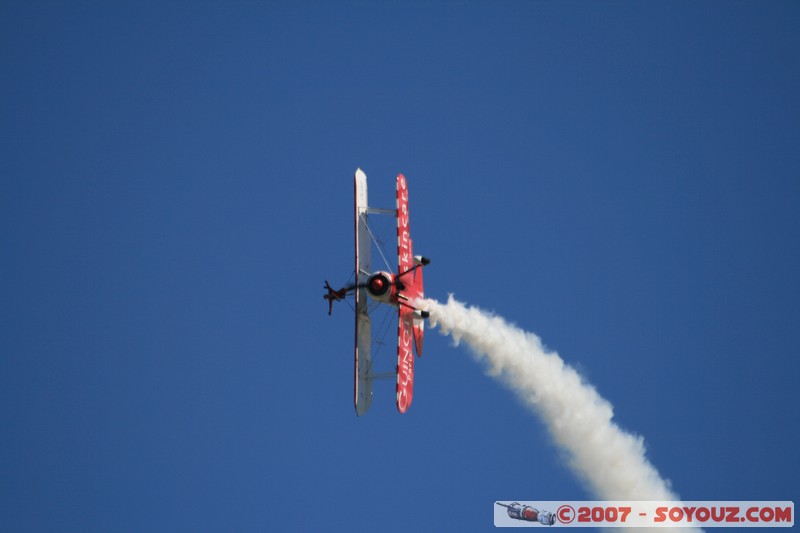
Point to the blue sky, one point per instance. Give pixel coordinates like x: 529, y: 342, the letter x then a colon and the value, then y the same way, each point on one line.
x: 622, y: 179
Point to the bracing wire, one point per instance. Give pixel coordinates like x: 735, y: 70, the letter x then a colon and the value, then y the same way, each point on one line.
x: 377, y: 243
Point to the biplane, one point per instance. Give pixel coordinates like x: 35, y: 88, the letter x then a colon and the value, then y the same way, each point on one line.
x: 398, y: 289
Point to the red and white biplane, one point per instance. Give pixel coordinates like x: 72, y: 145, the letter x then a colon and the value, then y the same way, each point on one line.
x: 400, y: 289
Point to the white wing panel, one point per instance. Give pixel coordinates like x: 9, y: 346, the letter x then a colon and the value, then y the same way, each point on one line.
x: 363, y: 383
x: 363, y: 361
x: 362, y: 232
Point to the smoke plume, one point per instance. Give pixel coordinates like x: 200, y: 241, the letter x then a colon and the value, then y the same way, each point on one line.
x: 611, y: 461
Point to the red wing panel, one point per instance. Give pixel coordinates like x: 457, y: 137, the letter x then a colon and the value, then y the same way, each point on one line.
x: 405, y: 326
x: 405, y: 358
x: 405, y: 256
x: 412, y: 281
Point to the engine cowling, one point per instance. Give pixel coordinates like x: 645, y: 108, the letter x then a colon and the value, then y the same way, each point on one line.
x: 379, y: 286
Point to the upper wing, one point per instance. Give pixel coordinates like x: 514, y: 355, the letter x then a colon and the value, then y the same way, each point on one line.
x: 405, y: 322
x: 412, y: 282
x: 363, y: 361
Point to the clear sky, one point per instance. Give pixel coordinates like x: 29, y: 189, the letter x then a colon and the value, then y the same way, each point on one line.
x: 621, y: 178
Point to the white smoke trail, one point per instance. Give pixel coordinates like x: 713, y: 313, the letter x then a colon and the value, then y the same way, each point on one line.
x: 611, y: 461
